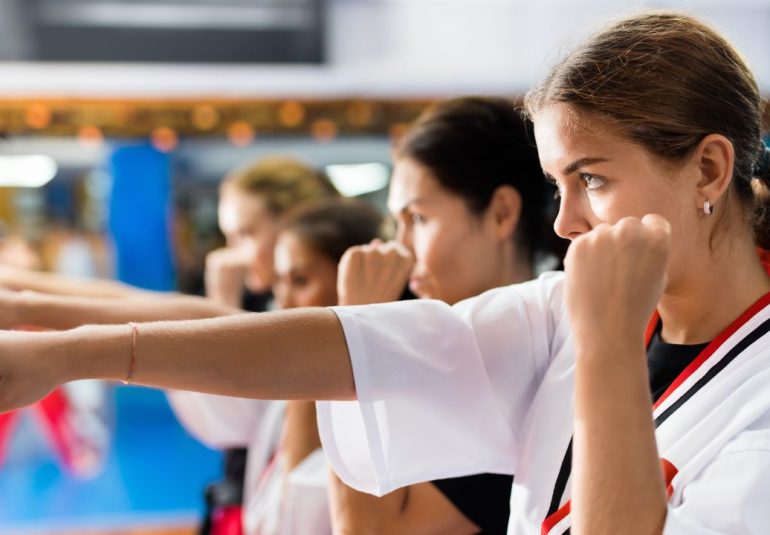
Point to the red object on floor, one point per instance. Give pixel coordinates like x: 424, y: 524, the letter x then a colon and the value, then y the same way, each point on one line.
x: 227, y: 520
x: 55, y: 415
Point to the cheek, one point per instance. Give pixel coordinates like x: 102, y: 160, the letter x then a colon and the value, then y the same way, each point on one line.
x: 601, y: 209
x: 429, y: 246
x: 311, y: 295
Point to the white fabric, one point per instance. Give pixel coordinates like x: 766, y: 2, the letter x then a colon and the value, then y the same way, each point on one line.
x: 296, y: 503
x: 226, y: 422
x: 220, y: 422
x: 487, y: 386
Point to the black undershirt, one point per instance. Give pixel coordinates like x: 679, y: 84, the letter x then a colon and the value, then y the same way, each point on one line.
x: 485, y: 498
x: 666, y: 361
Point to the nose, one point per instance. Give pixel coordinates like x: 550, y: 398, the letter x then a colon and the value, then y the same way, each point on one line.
x: 573, y: 217
x: 283, y: 297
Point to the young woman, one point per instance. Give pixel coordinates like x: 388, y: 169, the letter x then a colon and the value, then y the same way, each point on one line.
x: 472, y: 214
x: 626, y: 127
x: 290, y: 495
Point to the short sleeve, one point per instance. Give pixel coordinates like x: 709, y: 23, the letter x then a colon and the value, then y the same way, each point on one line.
x: 218, y: 421
x: 441, y: 391
x: 731, y: 493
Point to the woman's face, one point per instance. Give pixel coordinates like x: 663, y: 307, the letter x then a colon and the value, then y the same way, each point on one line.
x: 457, y: 253
x: 303, y: 277
x: 248, y: 225
x: 603, y: 177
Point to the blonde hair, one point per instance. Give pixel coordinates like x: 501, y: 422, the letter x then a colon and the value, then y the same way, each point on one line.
x: 282, y: 182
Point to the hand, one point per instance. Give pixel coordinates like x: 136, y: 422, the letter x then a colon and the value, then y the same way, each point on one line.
x: 226, y: 271
x: 615, y: 277
x: 373, y: 273
x: 29, y: 368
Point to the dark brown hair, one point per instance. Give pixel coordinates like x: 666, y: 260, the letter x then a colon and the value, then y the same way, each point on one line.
x: 473, y: 146
x: 332, y: 226
x: 668, y: 80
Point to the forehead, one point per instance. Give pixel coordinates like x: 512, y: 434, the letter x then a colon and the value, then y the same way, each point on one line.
x: 564, y: 135
x: 290, y: 253
x: 237, y: 210
x: 410, y: 181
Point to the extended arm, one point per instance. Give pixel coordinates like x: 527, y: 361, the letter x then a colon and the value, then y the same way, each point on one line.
x: 66, y: 312
x: 299, y: 354
x: 23, y: 279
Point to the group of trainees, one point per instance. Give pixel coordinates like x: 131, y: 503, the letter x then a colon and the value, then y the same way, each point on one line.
x: 471, y: 213
x: 628, y: 393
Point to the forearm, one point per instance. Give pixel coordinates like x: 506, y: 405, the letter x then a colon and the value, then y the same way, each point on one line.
x: 299, y: 354
x: 66, y: 312
x: 618, y: 485
x: 51, y: 283
x: 300, y: 437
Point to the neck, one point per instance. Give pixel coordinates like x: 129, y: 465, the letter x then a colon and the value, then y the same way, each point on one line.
x: 725, y: 282
x: 515, y: 267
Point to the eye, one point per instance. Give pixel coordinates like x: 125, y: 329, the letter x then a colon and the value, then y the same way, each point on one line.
x: 417, y: 219
x: 592, y: 182
x: 299, y: 281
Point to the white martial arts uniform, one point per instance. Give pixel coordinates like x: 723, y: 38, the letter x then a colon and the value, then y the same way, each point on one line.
x: 488, y: 385
x: 296, y: 503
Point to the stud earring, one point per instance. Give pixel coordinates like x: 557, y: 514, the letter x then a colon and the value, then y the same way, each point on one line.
x: 708, y: 208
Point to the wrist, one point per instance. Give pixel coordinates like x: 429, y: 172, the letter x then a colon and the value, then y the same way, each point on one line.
x: 614, y: 345
x: 26, y: 308
x: 94, y: 352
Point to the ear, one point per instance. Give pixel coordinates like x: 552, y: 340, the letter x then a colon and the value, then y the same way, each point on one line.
x: 504, y: 211
x: 714, y: 156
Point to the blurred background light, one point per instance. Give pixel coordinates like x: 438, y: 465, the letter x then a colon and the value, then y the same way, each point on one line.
x: 32, y: 171
x: 357, y: 179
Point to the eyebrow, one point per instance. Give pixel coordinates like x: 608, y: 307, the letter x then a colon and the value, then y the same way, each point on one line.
x: 408, y: 204
x: 582, y: 162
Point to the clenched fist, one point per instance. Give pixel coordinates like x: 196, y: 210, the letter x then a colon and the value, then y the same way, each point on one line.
x: 226, y: 271
x: 373, y: 273
x: 616, y: 275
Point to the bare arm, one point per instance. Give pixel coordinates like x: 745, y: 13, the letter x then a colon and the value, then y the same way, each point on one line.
x: 300, y: 433
x: 298, y: 354
x: 66, y: 312
x: 51, y: 283
x: 615, y: 276
x: 616, y: 464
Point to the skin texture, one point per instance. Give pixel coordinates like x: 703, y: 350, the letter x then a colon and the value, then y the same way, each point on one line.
x: 622, y: 264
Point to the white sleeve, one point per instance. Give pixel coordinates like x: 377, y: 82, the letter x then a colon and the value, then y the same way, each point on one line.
x: 219, y: 422
x: 441, y: 391
x: 731, y: 493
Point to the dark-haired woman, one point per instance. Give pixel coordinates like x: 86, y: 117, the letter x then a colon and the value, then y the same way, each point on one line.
x: 651, y: 130
x: 290, y: 496
x: 472, y: 214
